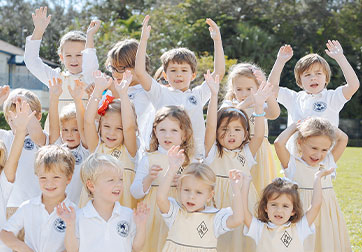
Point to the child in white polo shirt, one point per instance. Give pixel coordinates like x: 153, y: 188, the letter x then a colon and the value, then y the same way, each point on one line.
x: 103, y: 224
x: 44, y: 230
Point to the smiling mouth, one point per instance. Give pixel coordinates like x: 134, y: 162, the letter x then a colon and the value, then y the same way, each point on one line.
x: 117, y: 192
x: 314, y: 85
x: 189, y: 204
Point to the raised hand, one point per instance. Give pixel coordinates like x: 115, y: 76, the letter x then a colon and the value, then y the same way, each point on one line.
x: 285, y: 53
x: 176, y: 158
x: 324, y: 172
x: 146, y: 29
x: 236, y: 179
x: 213, y: 84
x: 78, y: 91
x: 93, y: 27
x: 22, y: 117
x: 41, y: 20
x: 334, y: 49
x: 68, y: 215
x: 122, y: 87
x: 214, y: 29
x: 101, y: 82
x: 89, y: 89
x: 55, y: 87
x: 141, y: 214
x: 4, y: 93
x: 264, y: 91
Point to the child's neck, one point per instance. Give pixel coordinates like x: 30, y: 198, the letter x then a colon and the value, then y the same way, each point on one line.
x: 50, y: 203
x: 104, y: 209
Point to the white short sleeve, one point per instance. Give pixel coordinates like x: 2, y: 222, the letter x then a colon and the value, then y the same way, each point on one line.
x: 249, y: 156
x: 142, y: 170
x: 5, y: 187
x: 286, y: 97
x: 170, y: 217
x: 304, y: 230
x: 155, y: 93
x: 329, y: 163
x: 16, y: 221
x: 255, y: 230
x: 89, y: 64
x: 204, y: 92
x: 290, y: 170
x: 336, y: 100
x: 221, y: 217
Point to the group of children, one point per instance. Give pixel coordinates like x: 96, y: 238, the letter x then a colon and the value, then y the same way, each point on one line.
x: 122, y: 142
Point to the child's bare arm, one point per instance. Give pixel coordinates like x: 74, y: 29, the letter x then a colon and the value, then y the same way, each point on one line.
x: 317, y: 197
x: 219, y: 58
x: 128, y: 116
x: 68, y: 215
x: 140, y: 64
x: 211, y: 119
x: 237, y: 218
x: 280, y: 145
x: 140, y: 216
x: 341, y: 144
x: 92, y: 29
x: 4, y: 93
x: 36, y: 131
x: 55, y: 90
x: 176, y: 158
x: 248, y: 217
x: 335, y: 51
x: 13, y: 242
x: 77, y: 93
x: 41, y: 22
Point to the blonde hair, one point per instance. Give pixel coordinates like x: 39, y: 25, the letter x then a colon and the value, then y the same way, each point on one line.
x: 52, y: 157
x: 68, y: 112
x: 123, y: 53
x: 94, y: 165
x: 28, y: 96
x: 274, y: 190
x: 72, y: 36
x: 3, y: 155
x: 230, y: 114
x: 179, y: 56
x: 316, y: 126
x: 244, y: 69
x: 178, y: 114
x: 307, y: 62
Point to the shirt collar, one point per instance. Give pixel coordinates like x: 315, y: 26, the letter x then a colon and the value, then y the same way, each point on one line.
x: 272, y: 225
x: 318, y: 95
x: 161, y: 150
x: 178, y: 90
x: 91, y: 212
x: 66, y: 73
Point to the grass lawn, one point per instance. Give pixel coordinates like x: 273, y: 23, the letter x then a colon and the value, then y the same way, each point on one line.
x: 348, y: 187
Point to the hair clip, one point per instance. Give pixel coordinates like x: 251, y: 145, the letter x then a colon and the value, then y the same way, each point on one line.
x: 102, y: 109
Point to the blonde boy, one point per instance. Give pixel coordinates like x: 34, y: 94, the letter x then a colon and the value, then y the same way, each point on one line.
x: 44, y: 230
x: 179, y: 69
x: 312, y: 74
x: 103, y: 224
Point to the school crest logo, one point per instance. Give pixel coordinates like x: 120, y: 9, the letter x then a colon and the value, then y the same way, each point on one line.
x: 202, y: 229
x: 319, y: 106
x: 192, y: 99
x: 59, y: 225
x: 241, y: 159
x: 116, y: 153
x: 78, y: 158
x: 131, y: 96
x: 123, y: 228
x: 286, y: 239
x: 28, y: 144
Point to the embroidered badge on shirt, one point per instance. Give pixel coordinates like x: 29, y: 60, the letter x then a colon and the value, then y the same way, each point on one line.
x: 59, y: 225
x: 319, y: 106
x: 116, y: 153
x: 193, y: 99
x: 286, y: 239
x: 78, y: 158
x: 241, y: 158
x: 123, y: 228
x: 202, y: 229
x: 28, y: 144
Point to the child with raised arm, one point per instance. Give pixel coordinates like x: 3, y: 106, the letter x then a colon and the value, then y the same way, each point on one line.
x: 280, y: 224
x: 44, y: 230
x: 67, y: 130
x: 26, y: 184
x: 103, y: 224
x: 179, y: 66
x: 116, y: 133
x: 9, y: 163
x: 73, y: 53
x: 319, y: 146
x: 193, y: 225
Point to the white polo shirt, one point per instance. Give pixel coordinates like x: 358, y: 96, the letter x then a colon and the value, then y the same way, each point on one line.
x: 5, y: 190
x: 96, y: 234
x: 26, y: 185
x: 300, y: 105
x: 193, y: 101
x: 44, y: 232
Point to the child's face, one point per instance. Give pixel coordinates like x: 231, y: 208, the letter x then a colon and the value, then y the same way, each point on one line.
x: 314, y: 149
x: 169, y: 133
x: 243, y: 87
x: 279, y: 209
x: 53, y: 183
x: 108, y: 186
x: 72, y: 56
x: 111, y: 129
x: 195, y: 194
x: 179, y: 76
x: 313, y: 79
x: 231, y: 136
x: 69, y: 133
